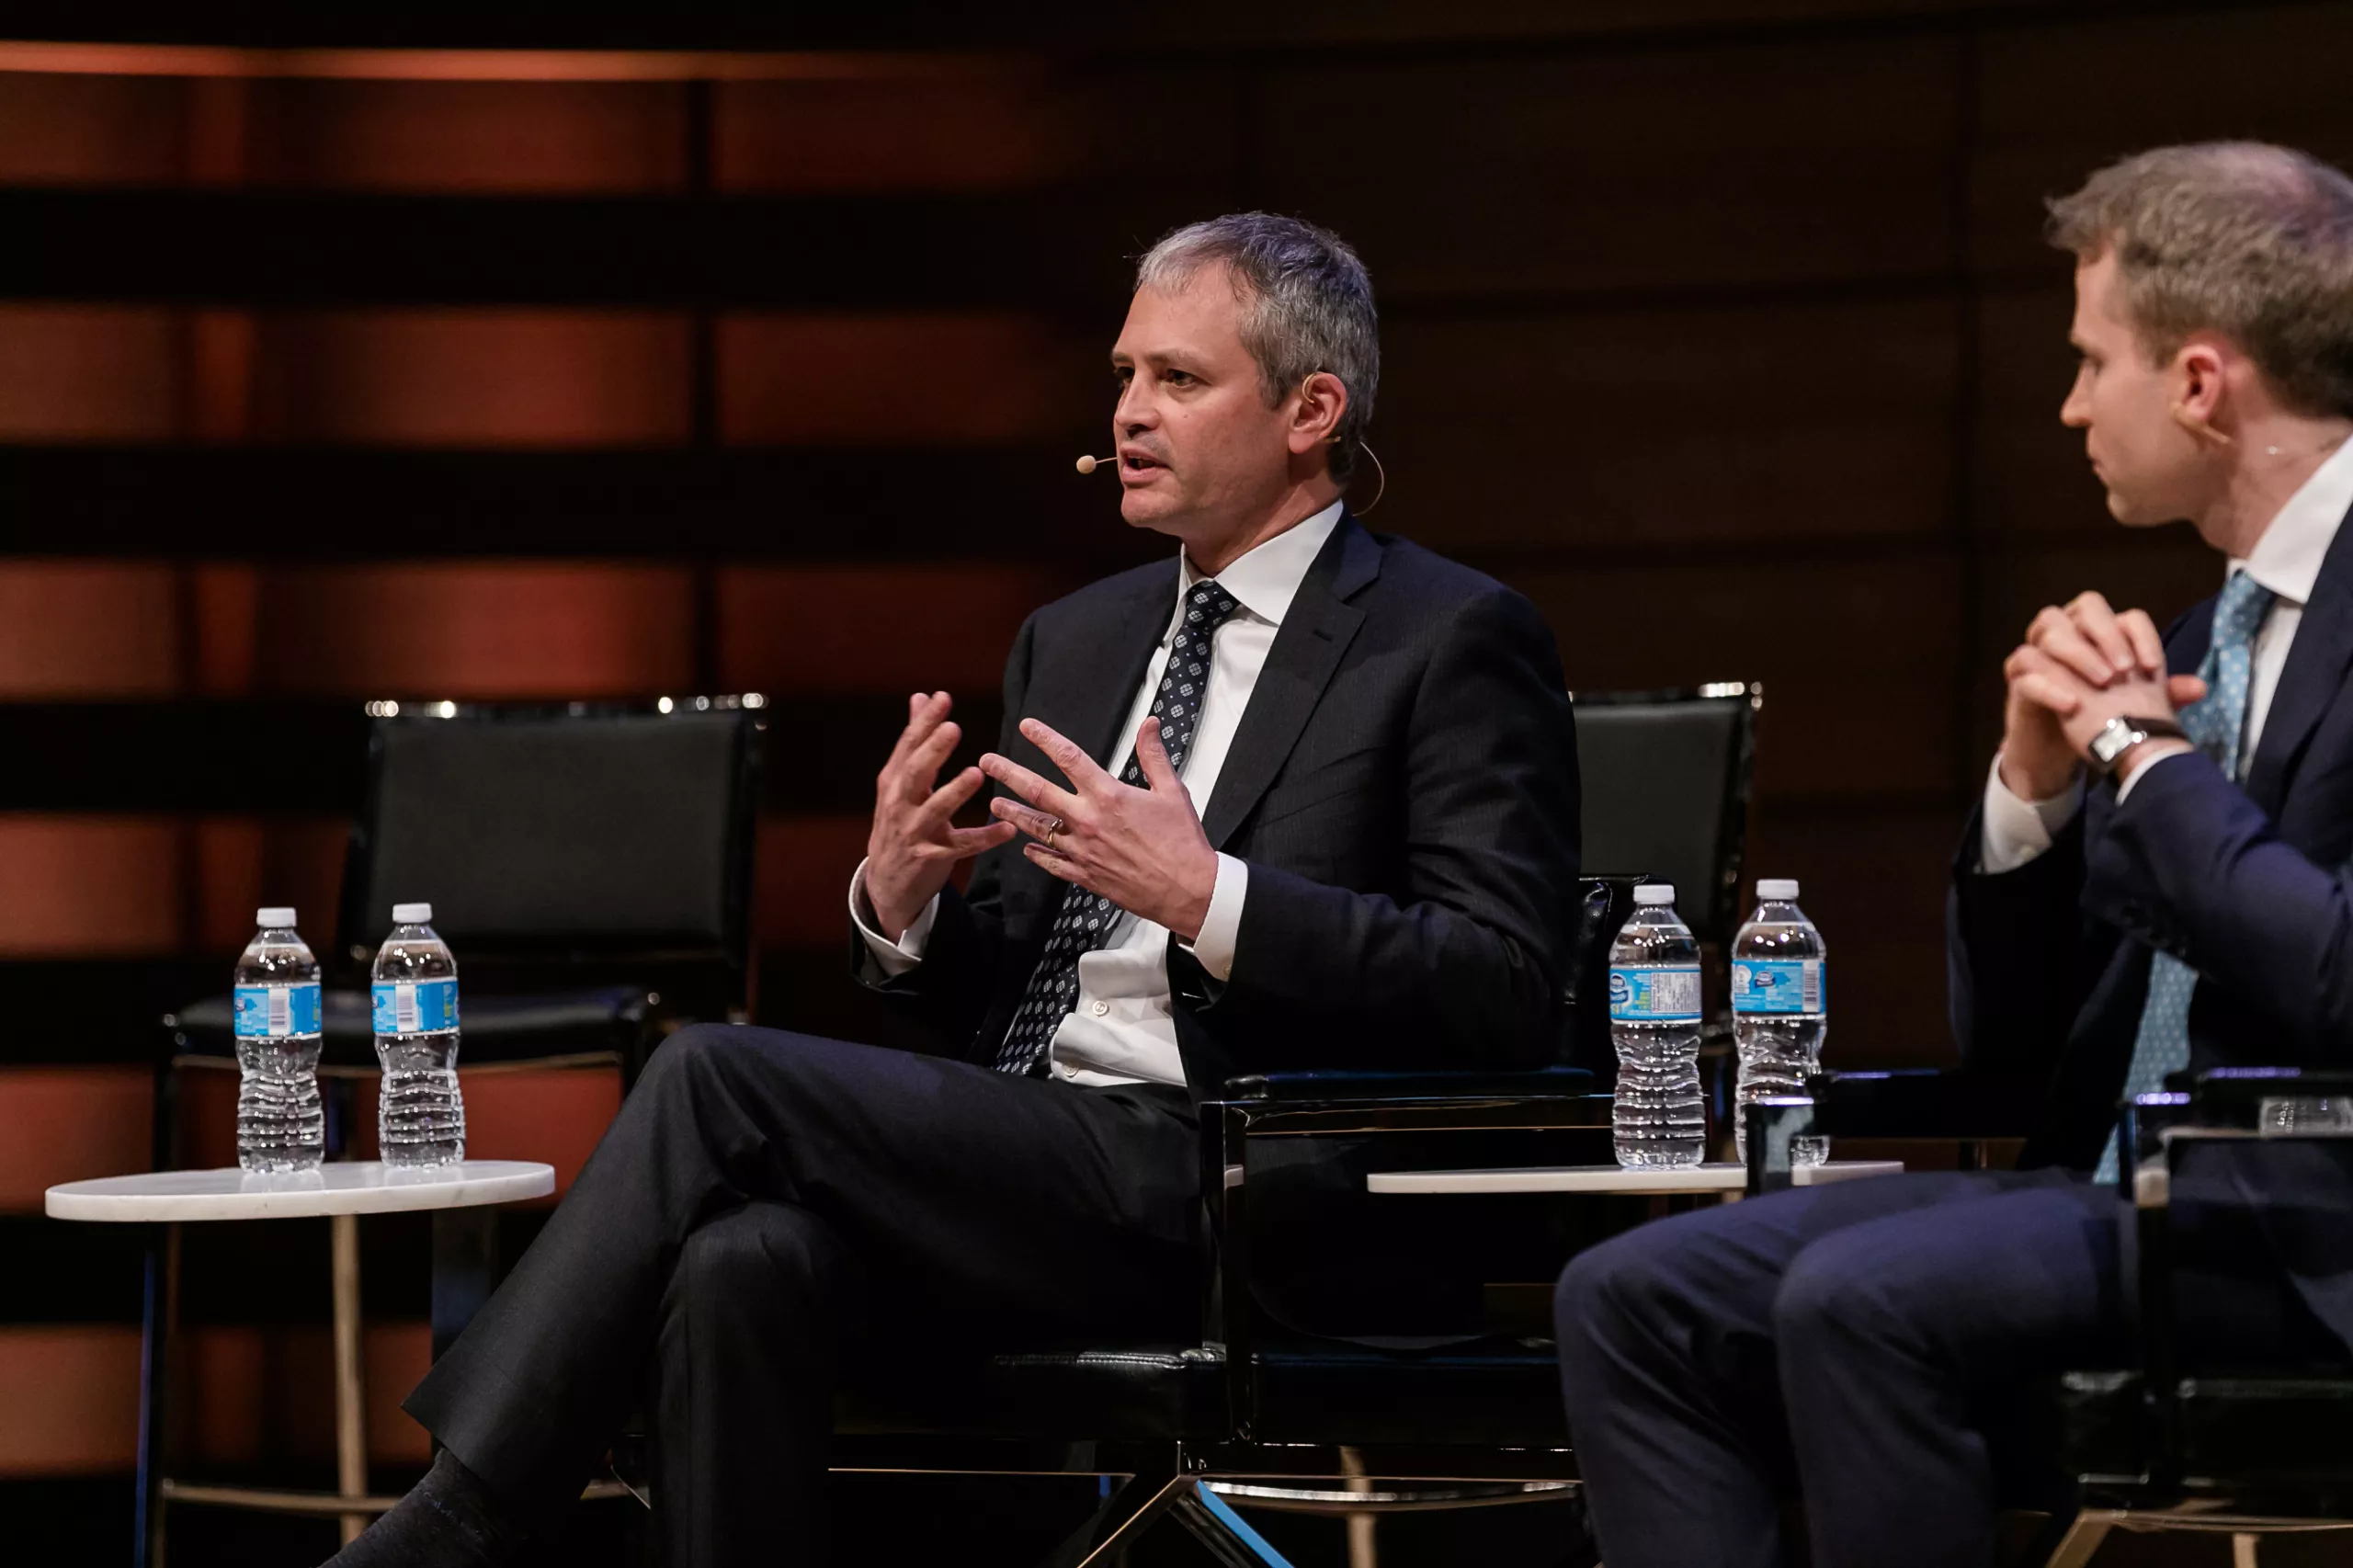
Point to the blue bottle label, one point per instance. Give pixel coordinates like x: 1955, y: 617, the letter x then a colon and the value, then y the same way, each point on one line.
x: 1778, y: 985
x: 1662, y: 996
x: 275, y: 1012
x: 416, y: 1006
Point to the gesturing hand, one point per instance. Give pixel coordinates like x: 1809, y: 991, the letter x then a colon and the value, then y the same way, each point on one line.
x: 1143, y: 849
x: 914, y: 842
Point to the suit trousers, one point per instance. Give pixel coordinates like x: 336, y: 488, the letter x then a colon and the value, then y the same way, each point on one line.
x: 1866, y: 1345
x: 769, y: 1208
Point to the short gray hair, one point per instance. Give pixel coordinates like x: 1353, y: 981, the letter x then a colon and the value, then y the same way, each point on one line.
x: 2243, y: 238
x: 1306, y: 306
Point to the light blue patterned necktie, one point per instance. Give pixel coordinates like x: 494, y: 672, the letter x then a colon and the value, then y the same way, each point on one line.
x: 2216, y: 724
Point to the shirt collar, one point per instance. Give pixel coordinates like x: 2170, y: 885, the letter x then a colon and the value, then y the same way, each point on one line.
x: 2287, y: 558
x: 1265, y: 578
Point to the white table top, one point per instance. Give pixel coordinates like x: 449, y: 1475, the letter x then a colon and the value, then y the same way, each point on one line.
x: 341, y: 1186
x: 1648, y: 1183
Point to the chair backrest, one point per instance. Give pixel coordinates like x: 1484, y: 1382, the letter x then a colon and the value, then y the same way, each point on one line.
x: 1665, y: 777
x: 577, y: 833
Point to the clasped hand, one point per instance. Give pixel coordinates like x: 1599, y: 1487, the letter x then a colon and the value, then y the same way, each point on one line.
x: 2081, y: 666
x: 1142, y: 848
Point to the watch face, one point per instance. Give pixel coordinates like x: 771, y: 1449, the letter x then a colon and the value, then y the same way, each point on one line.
x: 2114, y: 739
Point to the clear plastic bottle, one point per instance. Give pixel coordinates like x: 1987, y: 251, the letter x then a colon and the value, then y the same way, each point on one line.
x: 1658, y: 1117
x: 420, y: 1120
x: 280, y: 1125
x: 1780, y: 1006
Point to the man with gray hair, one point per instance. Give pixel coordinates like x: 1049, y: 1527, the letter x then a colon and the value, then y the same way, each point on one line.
x: 2156, y: 881
x: 1303, y: 797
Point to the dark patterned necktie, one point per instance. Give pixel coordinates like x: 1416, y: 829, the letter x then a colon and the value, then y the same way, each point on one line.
x: 2216, y: 723
x: 1086, y: 920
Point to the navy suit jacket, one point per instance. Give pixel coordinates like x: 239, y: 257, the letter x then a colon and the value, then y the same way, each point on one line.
x: 1403, y: 787
x: 2248, y: 885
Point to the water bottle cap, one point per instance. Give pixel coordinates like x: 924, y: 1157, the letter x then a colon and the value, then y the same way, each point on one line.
x: 412, y: 914
x: 1654, y: 892
x: 1776, y: 890
x: 274, y: 918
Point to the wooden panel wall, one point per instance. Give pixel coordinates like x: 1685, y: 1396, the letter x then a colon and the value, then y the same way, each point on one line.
x: 1723, y: 331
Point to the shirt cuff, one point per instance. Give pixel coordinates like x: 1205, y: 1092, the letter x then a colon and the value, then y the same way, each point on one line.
x: 896, y: 957
x: 1222, y: 926
x: 2017, y: 831
x: 2179, y: 749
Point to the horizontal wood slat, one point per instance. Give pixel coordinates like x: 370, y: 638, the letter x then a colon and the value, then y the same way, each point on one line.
x: 69, y: 1399
x: 2047, y: 116
x: 832, y: 631
x: 89, y: 372
x: 250, y: 1396
x: 70, y: 1124
x: 69, y: 1396
x: 742, y: 504
x: 1519, y: 173
x: 87, y: 886
x: 842, y: 250
x: 88, y: 628
x: 1839, y: 644
x: 1669, y: 429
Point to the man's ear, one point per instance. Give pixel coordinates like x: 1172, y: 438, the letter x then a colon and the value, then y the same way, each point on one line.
x: 1316, y: 411
x: 2201, y: 394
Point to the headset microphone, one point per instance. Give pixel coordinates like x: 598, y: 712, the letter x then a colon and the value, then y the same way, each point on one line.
x: 1088, y: 465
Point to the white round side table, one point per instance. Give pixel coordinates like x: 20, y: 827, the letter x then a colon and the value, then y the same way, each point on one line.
x: 341, y: 1192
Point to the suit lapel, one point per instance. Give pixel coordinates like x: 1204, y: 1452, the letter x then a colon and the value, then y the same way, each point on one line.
x: 1098, y: 681
x: 2314, y: 674
x: 1315, y: 634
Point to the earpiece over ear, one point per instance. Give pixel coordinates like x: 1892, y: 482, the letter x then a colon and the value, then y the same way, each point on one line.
x: 2200, y: 428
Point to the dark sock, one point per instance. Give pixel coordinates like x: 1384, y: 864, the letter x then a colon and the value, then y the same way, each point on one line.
x: 450, y: 1520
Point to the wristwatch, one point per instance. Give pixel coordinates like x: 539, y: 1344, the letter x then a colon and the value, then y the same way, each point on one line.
x: 2121, y: 734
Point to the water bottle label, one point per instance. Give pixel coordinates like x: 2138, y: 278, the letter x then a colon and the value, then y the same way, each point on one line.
x: 416, y: 1006
x: 274, y: 1012
x: 1778, y: 985
x: 1654, y: 996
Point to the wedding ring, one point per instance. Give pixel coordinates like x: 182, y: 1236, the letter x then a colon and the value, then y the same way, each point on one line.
x: 1053, y: 826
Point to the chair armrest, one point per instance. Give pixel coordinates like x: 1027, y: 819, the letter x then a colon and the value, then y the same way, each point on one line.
x: 1910, y: 1103
x: 1923, y: 1104
x: 2259, y: 1098
x: 1351, y: 1087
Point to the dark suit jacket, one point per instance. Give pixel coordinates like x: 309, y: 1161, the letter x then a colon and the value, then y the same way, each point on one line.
x: 2049, y: 962
x: 1403, y: 788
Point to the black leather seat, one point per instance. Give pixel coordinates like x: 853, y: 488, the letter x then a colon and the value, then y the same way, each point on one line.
x: 2158, y: 1444
x: 593, y: 1021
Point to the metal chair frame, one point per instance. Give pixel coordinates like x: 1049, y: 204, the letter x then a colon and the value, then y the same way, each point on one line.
x: 1188, y: 1479
x: 2225, y: 1106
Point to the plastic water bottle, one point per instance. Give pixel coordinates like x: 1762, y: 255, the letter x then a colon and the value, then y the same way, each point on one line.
x: 280, y: 1126
x: 420, y: 1120
x: 1658, y: 1118
x: 1779, y: 1007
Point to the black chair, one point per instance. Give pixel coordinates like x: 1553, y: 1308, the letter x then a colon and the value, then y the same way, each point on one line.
x: 2175, y: 1442
x: 591, y: 866
x: 1446, y: 1396
x: 2160, y: 1444
x: 1665, y: 778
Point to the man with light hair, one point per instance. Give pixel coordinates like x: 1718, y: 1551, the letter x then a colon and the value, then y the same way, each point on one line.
x: 1303, y: 797
x: 2155, y: 882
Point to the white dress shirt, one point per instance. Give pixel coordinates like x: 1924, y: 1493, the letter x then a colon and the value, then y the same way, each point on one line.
x: 2286, y: 560
x: 1123, y: 1029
